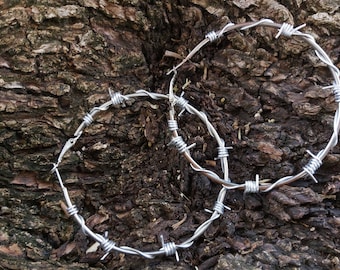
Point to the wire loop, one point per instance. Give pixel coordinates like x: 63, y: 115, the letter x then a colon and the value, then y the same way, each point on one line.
x: 254, y: 24
x: 177, y: 141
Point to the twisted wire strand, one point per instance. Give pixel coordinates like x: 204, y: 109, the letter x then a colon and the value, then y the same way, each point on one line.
x: 254, y: 24
x: 321, y: 54
x: 134, y: 251
x: 214, y: 177
x: 81, y: 221
x: 144, y: 93
x: 225, y: 29
x: 336, y: 128
x: 172, y: 102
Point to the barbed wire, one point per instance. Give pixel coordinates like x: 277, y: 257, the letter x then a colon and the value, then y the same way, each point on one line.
x: 179, y: 103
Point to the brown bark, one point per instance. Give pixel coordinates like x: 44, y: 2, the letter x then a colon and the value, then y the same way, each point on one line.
x: 58, y: 61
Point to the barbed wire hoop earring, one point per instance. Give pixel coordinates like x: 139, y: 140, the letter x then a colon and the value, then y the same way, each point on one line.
x: 117, y: 99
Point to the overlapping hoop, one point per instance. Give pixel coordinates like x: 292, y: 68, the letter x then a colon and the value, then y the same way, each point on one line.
x: 289, y: 31
x: 249, y: 186
x: 177, y: 141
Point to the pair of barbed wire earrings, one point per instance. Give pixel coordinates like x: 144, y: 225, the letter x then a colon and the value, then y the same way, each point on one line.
x: 174, y: 101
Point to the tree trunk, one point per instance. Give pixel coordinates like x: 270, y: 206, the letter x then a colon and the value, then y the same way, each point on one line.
x: 264, y: 97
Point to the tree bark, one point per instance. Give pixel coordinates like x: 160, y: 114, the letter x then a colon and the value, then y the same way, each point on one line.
x: 263, y: 95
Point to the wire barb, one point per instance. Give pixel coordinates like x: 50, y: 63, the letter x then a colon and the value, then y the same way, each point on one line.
x: 180, y: 144
x: 212, y: 36
x: 223, y: 151
x: 336, y: 91
x: 288, y: 30
x: 169, y: 248
x: 116, y: 97
x: 219, y: 207
x: 313, y: 165
x: 107, y: 245
x: 88, y: 119
x: 72, y: 210
x: 252, y: 186
x: 182, y: 103
x: 173, y: 125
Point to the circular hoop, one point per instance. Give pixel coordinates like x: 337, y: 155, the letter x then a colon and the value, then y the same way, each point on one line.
x: 167, y: 248
x: 316, y: 159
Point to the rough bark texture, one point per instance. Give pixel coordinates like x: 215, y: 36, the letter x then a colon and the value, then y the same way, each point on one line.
x: 58, y: 60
